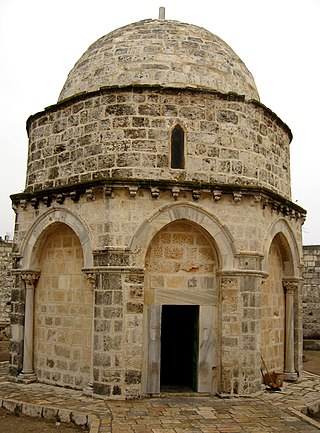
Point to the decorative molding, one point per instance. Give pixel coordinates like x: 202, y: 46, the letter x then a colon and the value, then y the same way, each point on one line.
x: 175, y: 192
x: 74, y: 195
x: 196, y: 194
x: 155, y: 192
x: 258, y: 195
x: 23, y: 203
x: 237, y: 196
x: 89, y: 194
x: 34, y: 202
x: 291, y: 284
x: 133, y: 190
x: 30, y: 278
x: 60, y: 198
x: 90, y: 277
x: 217, y: 194
x: 108, y: 191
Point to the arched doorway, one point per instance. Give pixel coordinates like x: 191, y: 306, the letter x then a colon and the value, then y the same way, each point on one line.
x: 62, y: 311
x: 181, y: 309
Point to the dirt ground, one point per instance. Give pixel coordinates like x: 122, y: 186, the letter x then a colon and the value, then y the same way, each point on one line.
x: 10, y: 422
x: 311, y: 361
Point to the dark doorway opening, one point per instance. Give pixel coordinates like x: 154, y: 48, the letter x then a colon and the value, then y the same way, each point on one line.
x: 179, y: 347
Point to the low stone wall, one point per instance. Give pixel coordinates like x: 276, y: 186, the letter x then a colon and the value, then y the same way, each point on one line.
x: 311, y: 293
x: 5, y: 281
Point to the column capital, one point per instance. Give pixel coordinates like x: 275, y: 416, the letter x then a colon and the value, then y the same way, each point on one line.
x: 90, y: 275
x: 291, y: 284
x: 30, y: 278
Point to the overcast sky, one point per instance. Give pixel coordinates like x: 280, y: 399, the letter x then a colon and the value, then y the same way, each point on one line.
x: 40, y: 40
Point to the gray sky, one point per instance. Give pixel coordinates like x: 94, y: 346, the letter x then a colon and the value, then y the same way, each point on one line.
x: 40, y: 40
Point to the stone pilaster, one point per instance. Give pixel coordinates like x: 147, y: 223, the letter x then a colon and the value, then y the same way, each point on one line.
x: 91, y: 278
x: 241, y: 315
x: 30, y: 279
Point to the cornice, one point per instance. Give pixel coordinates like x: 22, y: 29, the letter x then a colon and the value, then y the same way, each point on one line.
x: 58, y: 195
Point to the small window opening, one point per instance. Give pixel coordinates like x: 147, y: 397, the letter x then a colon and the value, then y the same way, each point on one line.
x: 177, y: 147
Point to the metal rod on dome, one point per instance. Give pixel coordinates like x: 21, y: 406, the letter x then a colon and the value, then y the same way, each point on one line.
x: 162, y: 13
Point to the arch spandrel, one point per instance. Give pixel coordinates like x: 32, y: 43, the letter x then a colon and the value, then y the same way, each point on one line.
x: 219, y: 233
x: 36, y: 236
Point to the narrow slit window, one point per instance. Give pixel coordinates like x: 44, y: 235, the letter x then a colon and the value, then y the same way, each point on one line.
x: 177, y: 147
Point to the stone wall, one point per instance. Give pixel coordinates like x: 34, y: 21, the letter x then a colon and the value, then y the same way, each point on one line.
x: 311, y: 292
x: 125, y: 135
x: 5, y: 281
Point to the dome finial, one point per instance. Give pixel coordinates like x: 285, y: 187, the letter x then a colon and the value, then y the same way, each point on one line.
x: 162, y: 13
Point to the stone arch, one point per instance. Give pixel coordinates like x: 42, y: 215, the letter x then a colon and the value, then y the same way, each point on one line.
x: 164, y: 287
x: 62, y: 311
x: 36, y: 236
x: 282, y: 233
x: 279, y: 317
x: 219, y: 233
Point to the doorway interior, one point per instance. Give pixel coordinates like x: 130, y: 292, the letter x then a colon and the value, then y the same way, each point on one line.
x: 179, y: 348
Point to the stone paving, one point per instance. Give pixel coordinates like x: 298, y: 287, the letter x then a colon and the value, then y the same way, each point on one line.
x: 284, y: 411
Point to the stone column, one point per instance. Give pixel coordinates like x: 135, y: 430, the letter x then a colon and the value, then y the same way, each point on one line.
x: 289, y: 368
x: 91, y: 279
x: 29, y: 278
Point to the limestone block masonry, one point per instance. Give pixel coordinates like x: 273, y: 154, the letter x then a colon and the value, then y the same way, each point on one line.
x: 120, y: 256
x: 5, y: 281
x: 124, y: 134
x: 311, y: 292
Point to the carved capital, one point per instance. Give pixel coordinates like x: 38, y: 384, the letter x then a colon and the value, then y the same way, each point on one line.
x: 30, y: 278
x: 90, y: 276
x: 290, y: 285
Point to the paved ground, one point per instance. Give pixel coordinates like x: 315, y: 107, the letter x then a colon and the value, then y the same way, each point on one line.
x: 266, y: 412
x: 283, y: 412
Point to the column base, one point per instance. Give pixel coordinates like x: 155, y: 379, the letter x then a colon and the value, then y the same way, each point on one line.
x: 27, y: 377
x: 290, y: 377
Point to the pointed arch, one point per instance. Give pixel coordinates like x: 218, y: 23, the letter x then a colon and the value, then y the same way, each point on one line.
x: 281, y: 232
x: 219, y: 233
x: 36, y: 236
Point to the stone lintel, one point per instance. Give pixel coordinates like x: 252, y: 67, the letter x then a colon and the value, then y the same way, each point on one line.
x: 242, y: 272
x: 112, y: 269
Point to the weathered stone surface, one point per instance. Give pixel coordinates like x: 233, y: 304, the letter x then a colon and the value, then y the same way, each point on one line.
x: 126, y: 142
x: 166, y: 57
x: 311, y: 292
x: 116, y: 235
x: 6, y: 281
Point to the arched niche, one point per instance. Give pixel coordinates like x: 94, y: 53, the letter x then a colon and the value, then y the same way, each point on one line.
x: 36, y: 237
x: 219, y: 233
x: 281, y: 233
x: 280, y: 322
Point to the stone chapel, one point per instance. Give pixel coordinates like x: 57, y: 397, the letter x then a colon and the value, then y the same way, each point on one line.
x: 156, y: 245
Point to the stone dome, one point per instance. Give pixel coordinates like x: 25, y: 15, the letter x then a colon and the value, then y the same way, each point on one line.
x: 164, y: 53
